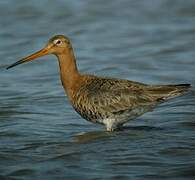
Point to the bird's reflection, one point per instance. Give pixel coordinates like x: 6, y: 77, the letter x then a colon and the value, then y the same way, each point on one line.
x: 91, y: 136
x: 132, y: 131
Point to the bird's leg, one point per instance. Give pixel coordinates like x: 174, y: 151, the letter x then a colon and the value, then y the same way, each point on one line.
x: 112, y: 125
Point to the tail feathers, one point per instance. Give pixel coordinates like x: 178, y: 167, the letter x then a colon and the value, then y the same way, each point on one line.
x: 180, y: 89
x: 182, y: 85
x: 166, y: 92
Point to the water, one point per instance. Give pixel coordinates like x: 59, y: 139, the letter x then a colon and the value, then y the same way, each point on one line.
x: 42, y: 137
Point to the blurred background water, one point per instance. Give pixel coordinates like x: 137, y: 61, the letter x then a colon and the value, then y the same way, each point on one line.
x: 42, y: 137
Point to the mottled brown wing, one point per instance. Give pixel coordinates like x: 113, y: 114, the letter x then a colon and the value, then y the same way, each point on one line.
x: 105, y: 97
x: 117, y: 101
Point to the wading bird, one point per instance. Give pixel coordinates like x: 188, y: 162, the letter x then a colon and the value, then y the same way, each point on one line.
x: 108, y: 101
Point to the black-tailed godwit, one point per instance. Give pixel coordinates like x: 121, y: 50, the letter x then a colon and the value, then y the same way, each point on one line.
x: 108, y: 101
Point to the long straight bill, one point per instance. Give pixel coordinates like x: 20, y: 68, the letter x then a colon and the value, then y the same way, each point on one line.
x: 40, y: 53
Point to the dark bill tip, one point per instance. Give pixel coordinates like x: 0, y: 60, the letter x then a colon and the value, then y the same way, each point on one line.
x: 40, y: 53
x: 12, y: 65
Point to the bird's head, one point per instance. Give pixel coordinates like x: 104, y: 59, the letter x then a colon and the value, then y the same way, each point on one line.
x: 57, y: 45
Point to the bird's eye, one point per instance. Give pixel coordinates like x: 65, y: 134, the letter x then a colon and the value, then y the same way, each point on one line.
x: 58, y: 42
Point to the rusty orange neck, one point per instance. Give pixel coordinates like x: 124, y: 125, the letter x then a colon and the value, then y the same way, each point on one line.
x: 68, y: 71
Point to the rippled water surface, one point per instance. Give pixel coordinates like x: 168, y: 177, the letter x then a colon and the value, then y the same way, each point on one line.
x: 42, y: 137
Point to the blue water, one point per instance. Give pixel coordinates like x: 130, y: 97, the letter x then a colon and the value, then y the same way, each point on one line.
x: 42, y: 137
